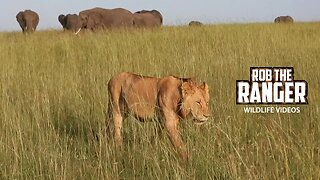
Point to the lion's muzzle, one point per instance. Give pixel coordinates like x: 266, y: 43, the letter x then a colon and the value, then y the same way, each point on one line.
x: 201, y: 120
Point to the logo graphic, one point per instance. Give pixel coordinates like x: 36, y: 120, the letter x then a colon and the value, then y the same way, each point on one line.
x: 272, y: 85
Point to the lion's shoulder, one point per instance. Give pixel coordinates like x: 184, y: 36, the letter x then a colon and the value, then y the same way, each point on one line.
x: 170, y: 86
x: 172, y: 82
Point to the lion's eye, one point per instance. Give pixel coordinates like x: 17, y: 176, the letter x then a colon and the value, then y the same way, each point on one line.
x: 198, y: 102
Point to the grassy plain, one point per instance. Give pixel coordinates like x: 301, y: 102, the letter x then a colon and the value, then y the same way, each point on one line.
x: 53, y: 98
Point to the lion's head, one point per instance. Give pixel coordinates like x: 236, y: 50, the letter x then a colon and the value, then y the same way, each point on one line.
x: 195, y: 101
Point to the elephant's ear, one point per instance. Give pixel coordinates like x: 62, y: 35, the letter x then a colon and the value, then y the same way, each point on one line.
x: 62, y: 20
x: 20, y: 20
x: 91, y: 23
x: 84, y: 19
x: 157, y: 14
x: 19, y: 16
x: 83, y: 16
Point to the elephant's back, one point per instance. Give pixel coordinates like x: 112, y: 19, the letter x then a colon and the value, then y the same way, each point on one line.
x: 122, y: 17
x: 284, y: 19
x: 121, y: 10
x: 110, y: 17
x: 147, y: 19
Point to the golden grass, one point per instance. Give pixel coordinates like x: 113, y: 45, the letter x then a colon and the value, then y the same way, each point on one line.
x: 53, y: 99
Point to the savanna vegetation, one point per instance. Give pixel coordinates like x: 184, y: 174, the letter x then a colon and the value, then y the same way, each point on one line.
x: 53, y: 101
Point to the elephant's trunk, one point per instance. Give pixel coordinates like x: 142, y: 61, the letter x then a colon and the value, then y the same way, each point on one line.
x: 29, y: 27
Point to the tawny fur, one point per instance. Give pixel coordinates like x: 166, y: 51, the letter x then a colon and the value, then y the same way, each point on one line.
x: 170, y: 99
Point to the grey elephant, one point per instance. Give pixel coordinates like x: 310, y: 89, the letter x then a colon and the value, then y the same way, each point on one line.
x: 147, y: 18
x: 100, y: 18
x: 70, y: 22
x: 284, y: 19
x: 195, y: 23
x: 28, y: 20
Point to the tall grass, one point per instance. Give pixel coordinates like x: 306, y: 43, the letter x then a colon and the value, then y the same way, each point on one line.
x: 53, y: 102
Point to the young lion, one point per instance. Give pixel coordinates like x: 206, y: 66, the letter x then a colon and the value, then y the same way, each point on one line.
x: 171, y: 98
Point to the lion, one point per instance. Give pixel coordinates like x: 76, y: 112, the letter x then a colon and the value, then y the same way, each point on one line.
x: 169, y: 99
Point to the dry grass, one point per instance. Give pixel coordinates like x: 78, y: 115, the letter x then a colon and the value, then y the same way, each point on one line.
x: 53, y: 99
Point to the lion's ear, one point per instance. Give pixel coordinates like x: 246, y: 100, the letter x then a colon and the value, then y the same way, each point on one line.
x: 205, y: 87
x: 187, y: 88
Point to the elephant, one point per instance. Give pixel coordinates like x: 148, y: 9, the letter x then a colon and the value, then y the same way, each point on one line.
x: 100, y: 18
x: 195, y: 23
x: 28, y: 20
x: 145, y: 18
x: 70, y: 22
x: 284, y: 19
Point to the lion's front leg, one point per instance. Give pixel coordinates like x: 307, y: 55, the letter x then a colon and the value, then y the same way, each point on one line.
x: 171, y: 124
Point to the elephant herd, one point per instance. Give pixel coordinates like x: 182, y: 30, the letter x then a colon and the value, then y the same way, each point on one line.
x: 100, y: 18
x: 95, y: 19
x: 279, y: 19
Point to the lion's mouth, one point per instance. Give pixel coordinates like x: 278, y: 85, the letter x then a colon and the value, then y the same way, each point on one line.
x: 200, y: 121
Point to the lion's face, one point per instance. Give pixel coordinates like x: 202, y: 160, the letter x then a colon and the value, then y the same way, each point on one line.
x: 196, y: 101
